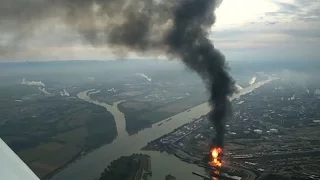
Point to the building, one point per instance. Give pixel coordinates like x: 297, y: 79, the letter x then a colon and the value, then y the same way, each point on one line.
x: 257, y: 131
x: 274, y: 131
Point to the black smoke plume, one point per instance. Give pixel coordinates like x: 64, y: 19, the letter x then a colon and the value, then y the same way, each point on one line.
x: 188, y: 39
x: 177, y: 27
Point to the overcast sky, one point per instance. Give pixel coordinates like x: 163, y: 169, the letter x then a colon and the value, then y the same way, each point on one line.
x: 253, y: 30
x: 269, y: 29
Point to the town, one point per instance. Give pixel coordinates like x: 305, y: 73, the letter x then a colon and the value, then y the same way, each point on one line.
x: 274, y: 132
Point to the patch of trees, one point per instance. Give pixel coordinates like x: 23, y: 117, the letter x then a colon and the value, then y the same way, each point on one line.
x: 123, y: 168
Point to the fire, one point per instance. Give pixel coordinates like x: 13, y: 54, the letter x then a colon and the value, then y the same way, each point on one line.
x: 216, y: 172
x: 216, y: 154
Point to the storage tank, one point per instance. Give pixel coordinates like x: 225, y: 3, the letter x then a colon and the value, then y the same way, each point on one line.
x: 274, y: 131
x: 257, y: 131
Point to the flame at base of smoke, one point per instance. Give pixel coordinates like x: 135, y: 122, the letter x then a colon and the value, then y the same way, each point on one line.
x: 216, y: 157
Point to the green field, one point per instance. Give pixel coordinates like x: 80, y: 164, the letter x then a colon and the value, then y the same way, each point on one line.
x: 140, y: 115
x: 49, y: 131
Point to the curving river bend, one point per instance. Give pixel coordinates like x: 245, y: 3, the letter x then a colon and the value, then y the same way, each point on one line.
x: 90, y: 166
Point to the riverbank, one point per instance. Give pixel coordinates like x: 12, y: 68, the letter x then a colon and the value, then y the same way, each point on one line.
x: 74, y: 160
x: 165, y: 142
x: 84, y: 96
x: 91, y: 165
x: 113, y: 109
x: 94, y: 163
x: 141, y: 115
x: 169, y: 143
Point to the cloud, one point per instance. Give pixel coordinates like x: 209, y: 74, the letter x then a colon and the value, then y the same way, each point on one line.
x: 294, y: 76
x: 260, y: 41
x: 233, y: 13
x: 297, y: 10
x: 287, y: 29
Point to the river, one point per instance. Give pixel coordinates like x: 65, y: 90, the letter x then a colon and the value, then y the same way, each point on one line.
x: 91, y: 165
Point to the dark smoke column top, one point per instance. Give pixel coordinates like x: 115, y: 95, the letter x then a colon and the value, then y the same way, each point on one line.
x: 189, y: 40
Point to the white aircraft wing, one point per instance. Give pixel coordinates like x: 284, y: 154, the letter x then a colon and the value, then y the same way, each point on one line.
x: 12, y: 167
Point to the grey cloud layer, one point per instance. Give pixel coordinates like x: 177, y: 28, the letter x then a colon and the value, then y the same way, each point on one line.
x: 304, y: 10
x: 98, y: 21
x: 20, y: 20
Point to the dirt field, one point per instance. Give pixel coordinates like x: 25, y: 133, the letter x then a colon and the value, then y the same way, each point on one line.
x: 61, y: 156
x: 32, y: 154
x: 41, y: 169
x: 74, y: 137
x: 51, y: 161
x: 47, y: 157
x: 52, y: 146
x: 38, y: 152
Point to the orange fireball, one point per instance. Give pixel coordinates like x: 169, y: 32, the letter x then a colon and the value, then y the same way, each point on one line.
x: 216, y: 157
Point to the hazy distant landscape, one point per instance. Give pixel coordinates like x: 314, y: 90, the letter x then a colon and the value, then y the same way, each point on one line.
x: 159, y: 89
x: 45, y: 122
